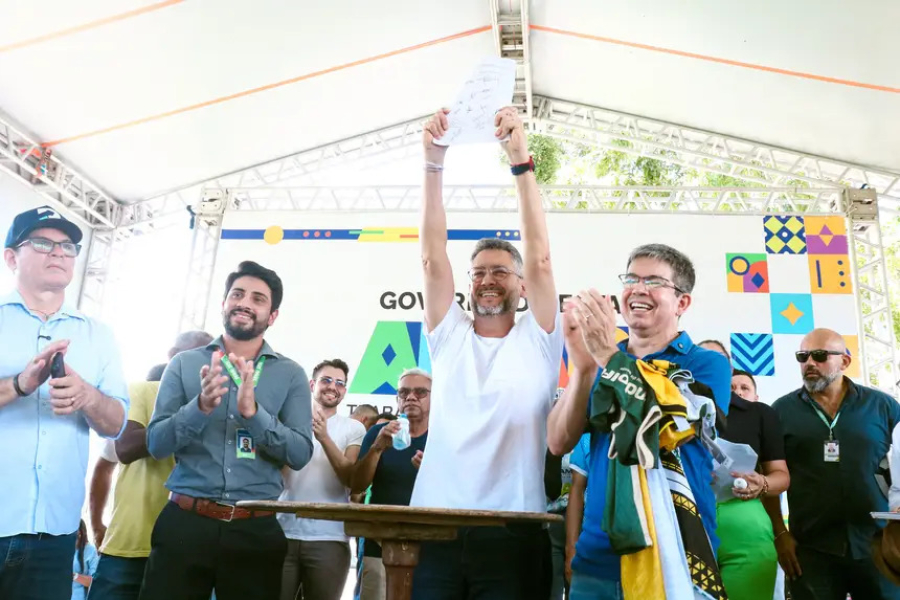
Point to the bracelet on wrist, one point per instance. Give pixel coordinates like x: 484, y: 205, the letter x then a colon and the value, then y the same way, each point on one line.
x: 780, y: 534
x: 431, y: 167
x: 19, y: 390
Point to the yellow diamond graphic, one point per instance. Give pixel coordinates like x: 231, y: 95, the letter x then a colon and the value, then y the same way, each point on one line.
x: 775, y: 245
x: 826, y: 239
x: 772, y: 224
x: 792, y: 313
x: 796, y: 245
x: 794, y: 224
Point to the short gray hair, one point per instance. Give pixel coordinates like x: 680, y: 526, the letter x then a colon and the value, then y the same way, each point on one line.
x: 498, y: 244
x: 683, y: 274
x: 190, y: 340
x: 413, y: 371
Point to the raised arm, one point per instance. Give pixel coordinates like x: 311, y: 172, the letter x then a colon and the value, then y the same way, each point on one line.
x: 439, y: 289
x: 370, y: 452
x: 540, y: 287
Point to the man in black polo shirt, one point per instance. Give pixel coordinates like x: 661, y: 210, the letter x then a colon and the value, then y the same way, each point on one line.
x: 836, y: 433
x: 390, y: 472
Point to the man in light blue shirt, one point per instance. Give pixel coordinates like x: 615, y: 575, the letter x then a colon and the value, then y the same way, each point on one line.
x: 45, y: 420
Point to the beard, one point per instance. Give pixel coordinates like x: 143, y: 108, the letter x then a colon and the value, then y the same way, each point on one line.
x: 505, y: 307
x: 323, y: 400
x: 816, y: 384
x: 244, y: 331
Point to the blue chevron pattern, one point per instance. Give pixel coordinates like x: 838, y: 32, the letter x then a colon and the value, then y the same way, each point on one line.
x: 753, y: 352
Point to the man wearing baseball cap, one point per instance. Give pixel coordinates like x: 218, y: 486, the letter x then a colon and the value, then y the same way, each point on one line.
x: 44, y: 419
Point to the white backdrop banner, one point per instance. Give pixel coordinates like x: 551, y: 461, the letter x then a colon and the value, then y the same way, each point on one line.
x: 353, y: 283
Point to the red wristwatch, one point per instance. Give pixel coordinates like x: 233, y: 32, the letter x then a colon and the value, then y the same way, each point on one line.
x: 524, y: 167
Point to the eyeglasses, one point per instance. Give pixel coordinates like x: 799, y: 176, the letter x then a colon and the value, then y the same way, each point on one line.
x: 819, y: 356
x: 420, y: 392
x: 45, y: 246
x: 498, y: 273
x: 629, y: 280
x: 329, y: 380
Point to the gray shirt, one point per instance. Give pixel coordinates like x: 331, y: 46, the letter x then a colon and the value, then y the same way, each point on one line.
x: 207, y: 461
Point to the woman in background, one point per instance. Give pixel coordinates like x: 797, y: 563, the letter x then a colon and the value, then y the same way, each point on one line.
x: 84, y: 565
x: 747, y: 557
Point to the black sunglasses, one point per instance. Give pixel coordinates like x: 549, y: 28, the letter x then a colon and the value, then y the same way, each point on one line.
x: 819, y: 356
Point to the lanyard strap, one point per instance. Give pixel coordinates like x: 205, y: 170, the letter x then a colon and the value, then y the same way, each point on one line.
x: 822, y: 416
x: 236, y: 377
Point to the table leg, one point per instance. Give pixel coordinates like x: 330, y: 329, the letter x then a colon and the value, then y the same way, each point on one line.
x: 400, y: 558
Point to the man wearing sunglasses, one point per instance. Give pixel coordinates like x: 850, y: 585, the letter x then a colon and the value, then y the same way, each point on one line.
x: 391, y: 473
x: 837, y: 432
x: 495, y: 379
x: 657, y: 288
x: 44, y: 420
x: 318, y: 557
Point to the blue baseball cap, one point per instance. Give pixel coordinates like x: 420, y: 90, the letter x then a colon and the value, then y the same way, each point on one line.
x: 40, y: 218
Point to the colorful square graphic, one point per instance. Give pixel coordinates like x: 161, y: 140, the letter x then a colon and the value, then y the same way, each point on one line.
x: 784, y: 235
x: 826, y: 235
x: 854, y: 369
x: 791, y: 313
x: 753, y: 352
x: 747, y: 273
x: 830, y: 274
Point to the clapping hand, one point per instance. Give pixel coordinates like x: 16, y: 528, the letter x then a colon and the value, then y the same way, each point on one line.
x: 211, y: 384
x: 594, y: 317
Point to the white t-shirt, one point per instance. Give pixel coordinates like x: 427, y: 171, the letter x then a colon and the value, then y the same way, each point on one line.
x: 487, y: 432
x: 317, y: 482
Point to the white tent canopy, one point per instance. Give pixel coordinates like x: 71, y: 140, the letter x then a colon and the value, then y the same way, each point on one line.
x: 136, y: 99
x: 145, y: 97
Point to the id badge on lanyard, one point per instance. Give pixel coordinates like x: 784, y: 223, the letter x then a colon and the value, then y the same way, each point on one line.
x: 244, y: 442
x: 832, y: 447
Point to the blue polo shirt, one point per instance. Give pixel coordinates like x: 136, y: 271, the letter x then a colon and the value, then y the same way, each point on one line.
x: 830, y: 502
x: 593, y: 553
x: 45, y: 456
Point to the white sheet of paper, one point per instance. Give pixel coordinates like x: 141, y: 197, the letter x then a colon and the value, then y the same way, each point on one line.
x: 739, y: 458
x: 889, y: 516
x: 490, y: 88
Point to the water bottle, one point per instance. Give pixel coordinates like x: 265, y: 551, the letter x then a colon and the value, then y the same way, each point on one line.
x: 401, y: 438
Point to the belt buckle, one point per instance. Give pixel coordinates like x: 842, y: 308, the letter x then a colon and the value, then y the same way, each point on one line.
x: 231, y: 515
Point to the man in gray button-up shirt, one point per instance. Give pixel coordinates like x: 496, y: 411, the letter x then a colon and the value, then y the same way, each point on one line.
x: 233, y: 414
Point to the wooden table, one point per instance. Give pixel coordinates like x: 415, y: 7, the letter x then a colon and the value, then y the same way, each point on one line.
x: 400, y: 529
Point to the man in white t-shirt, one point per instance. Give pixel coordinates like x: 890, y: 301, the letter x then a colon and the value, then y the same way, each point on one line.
x: 494, y: 383
x: 318, y: 557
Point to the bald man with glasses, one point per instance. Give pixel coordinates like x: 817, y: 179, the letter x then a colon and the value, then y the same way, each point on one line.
x: 836, y: 435
x: 45, y: 419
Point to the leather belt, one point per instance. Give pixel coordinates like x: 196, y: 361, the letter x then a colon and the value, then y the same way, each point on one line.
x: 216, y: 510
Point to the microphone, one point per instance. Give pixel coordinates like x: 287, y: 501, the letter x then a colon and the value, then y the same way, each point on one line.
x: 44, y: 337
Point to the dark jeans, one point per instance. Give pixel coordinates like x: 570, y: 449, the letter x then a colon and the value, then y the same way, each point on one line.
x: 829, y: 577
x: 36, y: 566
x: 191, y: 555
x: 117, y: 578
x: 486, y: 563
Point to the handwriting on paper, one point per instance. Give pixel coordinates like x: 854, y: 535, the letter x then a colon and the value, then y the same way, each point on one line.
x: 490, y: 88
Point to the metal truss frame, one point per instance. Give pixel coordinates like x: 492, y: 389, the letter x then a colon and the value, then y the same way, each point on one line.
x: 556, y: 198
x: 511, y: 40
x: 876, y: 332
x: 25, y: 159
x: 750, y: 161
x: 207, y: 228
x: 794, y: 183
